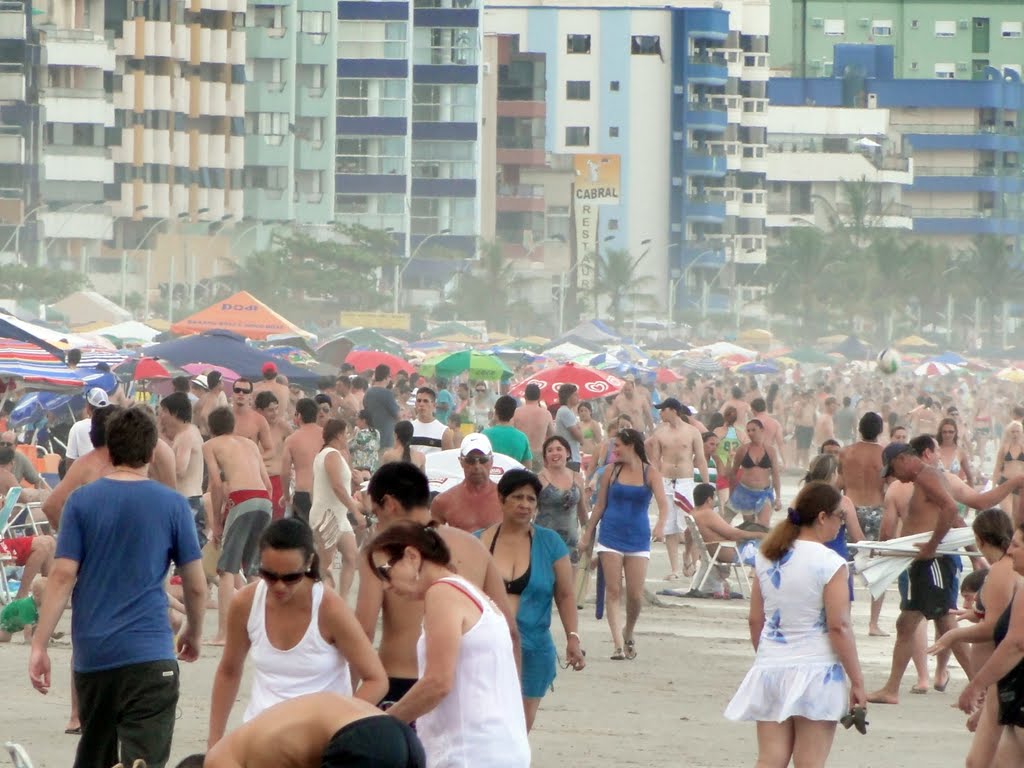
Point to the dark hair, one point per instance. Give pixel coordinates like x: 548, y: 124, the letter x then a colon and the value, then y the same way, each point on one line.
x: 870, y: 426
x: 221, y: 421
x: 403, y: 434
x: 394, y: 540
x: 181, y: 384
x: 293, y: 533
x: 847, y: 402
x: 402, y: 481
x: 427, y: 391
x: 6, y: 455
x: 321, y: 399
x: 758, y: 405
x: 736, y: 393
x: 827, y: 443
x: 773, y: 392
x: 822, y: 467
x: 333, y: 428
x: 898, y: 426
x: 264, y: 400
x: 178, y: 405
x: 381, y: 373
x: 213, y: 379
x: 515, y: 479
x: 505, y: 408
x: 707, y: 436
x: 565, y: 392
x: 943, y: 423
x: 307, y: 410
x: 729, y: 415
x: 365, y: 416
x: 343, y: 380
x: 131, y: 437
x: 702, y: 493
x: 756, y: 421
x: 98, y: 428
x: 973, y: 581
x: 717, y: 420
x: 814, y: 498
x: 325, y: 382
x: 923, y: 443
x: 635, y: 439
x: 588, y: 406
x: 555, y: 439
x: 993, y: 527
x: 192, y: 761
x: 532, y: 392
x: 358, y: 383
x: 73, y: 357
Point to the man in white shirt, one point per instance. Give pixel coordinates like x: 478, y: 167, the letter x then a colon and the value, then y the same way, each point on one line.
x: 79, y: 443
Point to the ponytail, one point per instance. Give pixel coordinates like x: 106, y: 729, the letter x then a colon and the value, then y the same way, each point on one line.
x: 814, y: 498
x: 403, y: 433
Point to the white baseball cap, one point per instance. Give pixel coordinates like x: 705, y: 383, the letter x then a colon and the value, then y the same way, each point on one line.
x: 200, y: 381
x: 476, y: 442
x: 97, y: 398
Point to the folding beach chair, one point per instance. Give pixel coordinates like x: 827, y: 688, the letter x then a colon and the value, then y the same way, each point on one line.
x: 5, y: 559
x: 709, y: 559
x: 18, y: 755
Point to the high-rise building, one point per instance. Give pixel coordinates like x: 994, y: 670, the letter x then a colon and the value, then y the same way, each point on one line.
x: 19, y: 129
x: 945, y: 39
x: 677, y: 94
x: 408, y: 114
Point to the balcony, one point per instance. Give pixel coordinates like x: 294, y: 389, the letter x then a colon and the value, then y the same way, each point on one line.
x: 267, y: 43
x: 707, y: 208
x: 270, y: 149
x: 267, y: 204
x: 314, y: 155
x: 520, y: 150
x: 699, y: 163
x: 520, y: 198
x: 12, y: 83
x: 708, y: 69
x: 12, y: 20
x: 1008, y: 180
x: 269, y: 97
x: 704, y: 116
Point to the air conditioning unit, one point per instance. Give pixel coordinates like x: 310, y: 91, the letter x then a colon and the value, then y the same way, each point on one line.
x: 872, y: 101
x: 963, y: 24
x: 864, y: 22
x: 961, y: 66
x: 486, y: 67
x: 817, y: 22
x: 914, y: 24
x: 913, y: 65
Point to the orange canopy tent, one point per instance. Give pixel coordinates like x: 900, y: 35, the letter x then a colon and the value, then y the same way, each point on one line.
x: 243, y: 314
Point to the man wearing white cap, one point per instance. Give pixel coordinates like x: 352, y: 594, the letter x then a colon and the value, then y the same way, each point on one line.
x: 79, y: 443
x: 473, y: 504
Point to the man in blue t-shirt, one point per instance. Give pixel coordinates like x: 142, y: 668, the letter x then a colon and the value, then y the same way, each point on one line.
x: 445, y: 404
x: 118, y: 537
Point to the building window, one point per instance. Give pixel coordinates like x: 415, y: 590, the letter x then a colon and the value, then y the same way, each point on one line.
x: 614, y: 86
x: 1012, y: 29
x: 373, y: 97
x: 444, y: 103
x: 375, y: 155
x: 835, y: 27
x: 455, y: 45
x: 945, y: 29
x: 557, y: 222
x: 577, y: 136
x: 371, y: 39
x: 577, y: 43
x: 613, y: 132
x: 645, y: 45
x: 444, y: 160
x: 266, y: 176
x: 945, y: 71
x: 613, y: 225
x: 577, y: 90
x: 272, y: 126
x: 315, y: 24
x: 881, y: 28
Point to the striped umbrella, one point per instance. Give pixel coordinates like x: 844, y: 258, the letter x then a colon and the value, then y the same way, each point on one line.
x: 23, y: 364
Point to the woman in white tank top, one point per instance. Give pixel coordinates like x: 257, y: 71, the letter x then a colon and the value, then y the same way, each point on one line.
x: 471, y: 715
x: 301, y: 638
x: 332, y: 501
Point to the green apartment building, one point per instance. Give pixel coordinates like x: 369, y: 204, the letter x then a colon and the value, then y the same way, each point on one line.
x: 930, y: 38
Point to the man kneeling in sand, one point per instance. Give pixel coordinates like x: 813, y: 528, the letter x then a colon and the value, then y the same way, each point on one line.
x: 321, y: 730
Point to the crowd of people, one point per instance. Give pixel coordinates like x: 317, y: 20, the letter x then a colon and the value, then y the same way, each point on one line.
x: 269, y: 503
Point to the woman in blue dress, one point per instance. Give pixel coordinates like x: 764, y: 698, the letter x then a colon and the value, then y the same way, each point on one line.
x: 825, y: 467
x: 624, y: 538
x: 534, y: 563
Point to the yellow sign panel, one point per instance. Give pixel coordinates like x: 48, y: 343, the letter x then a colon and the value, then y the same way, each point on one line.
x: 389, y: 321
x: 586, y: 243
x: 598, y: 179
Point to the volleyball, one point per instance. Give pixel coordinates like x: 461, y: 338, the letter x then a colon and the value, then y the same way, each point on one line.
x: 888, y: 361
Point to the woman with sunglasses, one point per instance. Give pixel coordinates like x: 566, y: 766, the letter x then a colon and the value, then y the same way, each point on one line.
x: 624, y: 541
x: 332, y: 496
x: 535, y: 566
x: 300, y: 637
x: 466, y: 702
x: 806, y: 674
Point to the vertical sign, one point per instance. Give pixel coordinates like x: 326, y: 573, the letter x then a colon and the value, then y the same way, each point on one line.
x: 597, y: 183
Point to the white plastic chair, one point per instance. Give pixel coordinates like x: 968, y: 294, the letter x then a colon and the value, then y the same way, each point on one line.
x: 6, y: 559
x: 709, y: 559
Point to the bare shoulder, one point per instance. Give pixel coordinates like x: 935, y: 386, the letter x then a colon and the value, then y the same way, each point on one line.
x: 458, y: 537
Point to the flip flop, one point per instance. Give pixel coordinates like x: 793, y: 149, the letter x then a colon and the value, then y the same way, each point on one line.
x: 618, y: 655
x: 942, y: 688
x: 856, y: 717
x: 630, y: 649
x: 73, y: 731
x: 919, y: 690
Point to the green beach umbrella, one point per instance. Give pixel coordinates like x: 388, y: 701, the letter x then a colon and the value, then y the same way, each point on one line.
x: 479, y: 365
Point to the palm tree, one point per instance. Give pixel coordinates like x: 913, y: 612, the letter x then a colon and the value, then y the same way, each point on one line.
x: 619, y: 280
x: 488, y: 290
x: 993, y: 277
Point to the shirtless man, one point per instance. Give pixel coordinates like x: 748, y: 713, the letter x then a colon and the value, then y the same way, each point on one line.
x: 675, y: 449
x: 803, y: 430
x: 631, y: 404
x: 175, y: 417
x: 932, y: 591
x: 400, y: 491
x: 271, y: 382
x: 473, y: 504
x: 715, y: 530
x: 736, y: 401
x: 824, y: 426
x: 163, y: 467
x: 298, y: 452
x: 534, y: 420
x: 772, y: 428
x: 318, y: 730
x: 249, y: 423
x: 859, y: 467
x: 240, y: 489
x: 344, y: 401
x: 213, y: 396
x: 269, y: 407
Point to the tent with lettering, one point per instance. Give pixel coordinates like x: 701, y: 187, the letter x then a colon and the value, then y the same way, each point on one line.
x: 243, y: 314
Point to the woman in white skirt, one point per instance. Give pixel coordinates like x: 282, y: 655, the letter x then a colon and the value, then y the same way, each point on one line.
x: 806, y: 675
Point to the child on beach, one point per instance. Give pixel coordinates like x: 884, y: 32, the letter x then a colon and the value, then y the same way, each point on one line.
x: 22, y: 614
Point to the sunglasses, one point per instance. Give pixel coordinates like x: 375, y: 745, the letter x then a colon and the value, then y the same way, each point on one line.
x: 476, y: 459
x: 384, y: 571
x: 240, y: 391
x: 285, y: 578
x: 6, y: 445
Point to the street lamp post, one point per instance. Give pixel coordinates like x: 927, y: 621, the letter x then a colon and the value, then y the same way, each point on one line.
x: 674, y: 285
x: 149, y: 263
x: 400, y: 270
x: 18, y: 227
x: 185, y: 256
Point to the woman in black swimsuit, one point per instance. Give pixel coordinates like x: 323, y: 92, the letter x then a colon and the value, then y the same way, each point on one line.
x: 1010, y: 463
x: 755, y: 482
x: 1005, y: 670
x: 534, y: 564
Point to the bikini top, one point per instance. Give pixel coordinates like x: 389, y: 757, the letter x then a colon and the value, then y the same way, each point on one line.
x: 764, y: 463
x: 1010, y: 457
x: 517, y: 585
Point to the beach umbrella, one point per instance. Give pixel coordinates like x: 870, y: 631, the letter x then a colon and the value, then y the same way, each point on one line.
x: 367, y: 360
x: 763, y: 366
x: 590, y: 382
x: 33, y: 405
x: 726, y: 349
x: 807, y: 356
x: 911, y: 342
x: 27, y: 365
x: 949, y: 358
x: 201, y: 369
x: 1011, y: 374
x: 444, y: 471
x: 147, y: 368
x: 667, y: 376
x: 852, y: 348
x: 336, y: 348
x: 566, y: 351
x: 934, y: 369
x: 230, y: 351
x: 879, y: 563
x: 478, y: 365
x: 699, y: 364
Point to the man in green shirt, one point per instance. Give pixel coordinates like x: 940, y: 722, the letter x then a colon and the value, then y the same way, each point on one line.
x: 504, y: 437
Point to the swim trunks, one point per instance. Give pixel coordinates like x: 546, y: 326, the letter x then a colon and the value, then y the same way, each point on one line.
x: 804, y: 436
x: 931, y: 587
x: 248, y: 515
x: 374, y: 742
x: 870, y: 519
x: 302, y: 503
x: 679, y: 495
